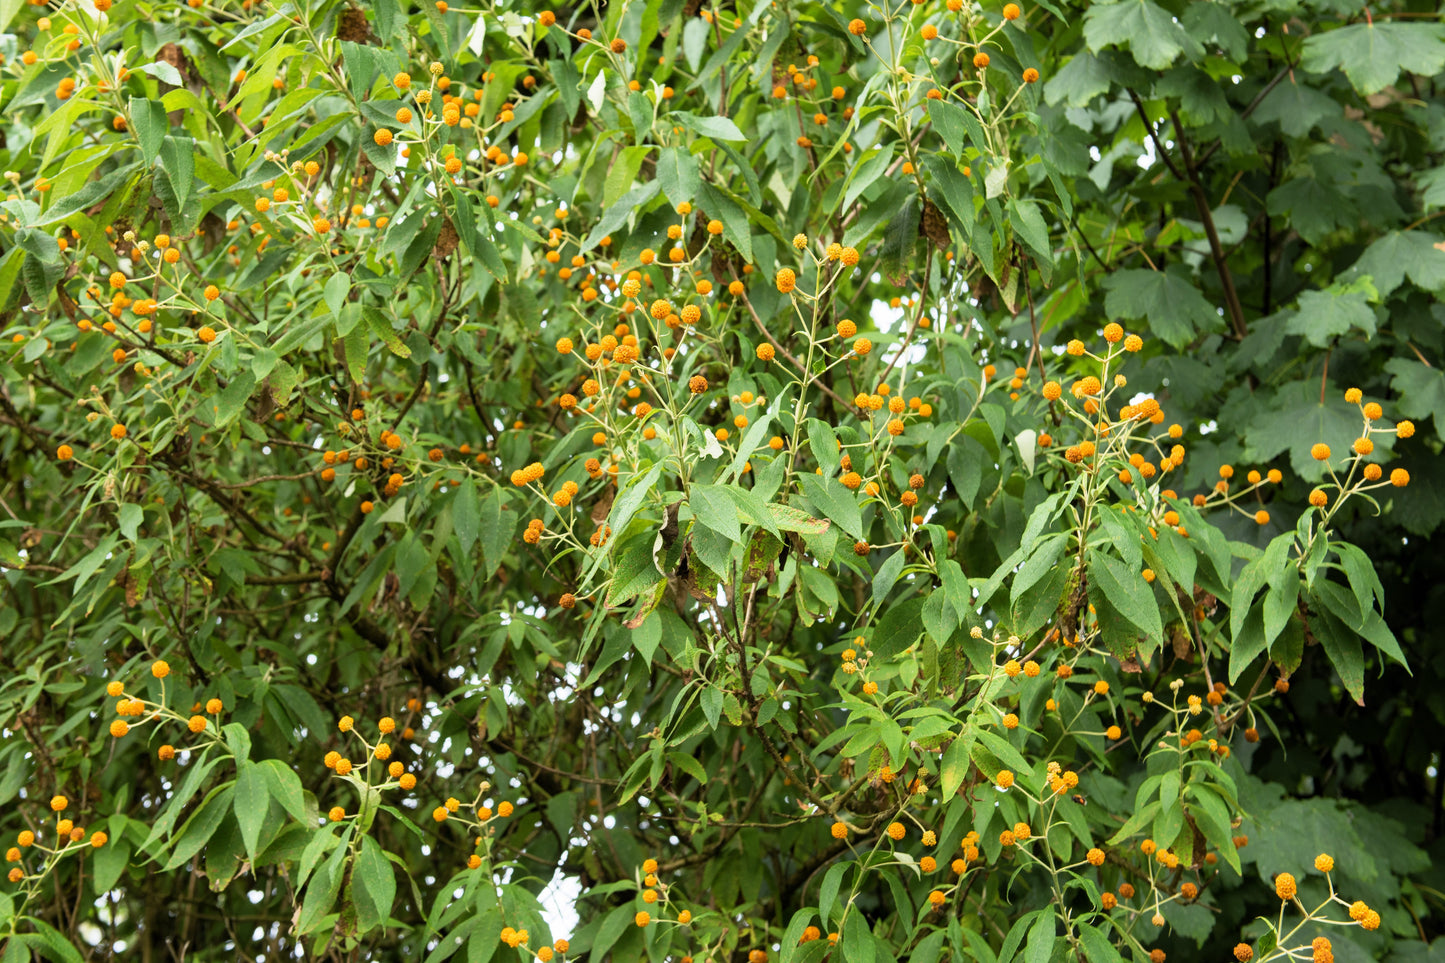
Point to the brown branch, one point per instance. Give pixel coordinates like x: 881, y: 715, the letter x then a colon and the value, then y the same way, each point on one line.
x: 1201, y: 202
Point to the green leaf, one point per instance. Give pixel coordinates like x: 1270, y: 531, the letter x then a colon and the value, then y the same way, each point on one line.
x: 381, y: 326
x: 678, y: 175
x: 1325, y: 315
x: 1097, y: 948
x: 611, y: 931
x: 1419, y: 390
x: 823, y: 443
x: 1342, y: 646
x: 955, y: 588
x: 1040, y: 945
x: 1028, y: 223
x: 887, y: 576
x: 1152, y: 34
x: 958, y: 126
x: 712, y: 507
x: 1171, y: 301
x: 725, y: 206
x: 1372, y: 54
x: 1297, y: 108
x: 828, y: 890
x: 1279, y: 604
x: 252, y: 799
x: 151, y: 126
x: 857, y: 939
x: 688, y: 765
x: 946, y: 181
x: 338, y: 287
x: 1247, y: 643
x: 1142, y: 816
x: 834, y: 502
x: 899, y: 628
x: 129, y: 519
x: 356, y: 347
x: 790, y: 519
x: 718, y: 128
x: 1126, y: 592
x: 466, y: 515
x: 617, y: 214
x: 105, y: 868
x: 231, y: 401
x: 954, y: 767
x: 694, y: 41
x: 1017, y: 933
x: 325, y: 884
x: 1314, y: 205
x: 284, y: 786
x: 178, y: 162
x: 712, y: 700
x: 1401, y: 254
x: 373, y: 886
x: 1296, y: 419
x: 1002, y: 750
x: 281, y: 382
x: 1079, y: 81
x: 198, y: 830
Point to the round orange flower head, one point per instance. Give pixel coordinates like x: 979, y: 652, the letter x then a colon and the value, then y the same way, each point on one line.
x: 1324, y: 862
x: 160, y: 668
x: 1284, y: 886
x: 787, y: 280
x: 1030, y: 75
x: 1319, y: 451
x: 857, y: 27
x: 896, y: 831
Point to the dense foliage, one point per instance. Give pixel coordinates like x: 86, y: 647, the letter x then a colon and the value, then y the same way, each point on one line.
x: 657, y: 479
